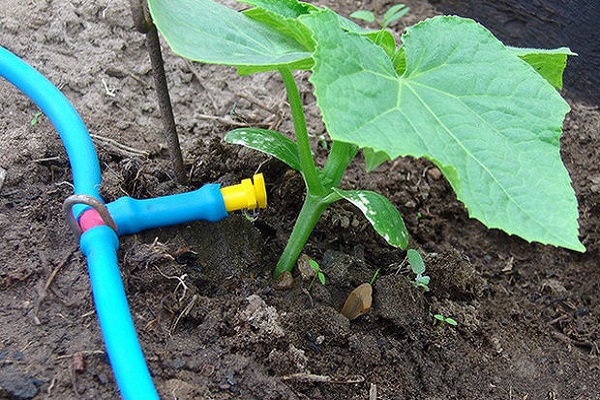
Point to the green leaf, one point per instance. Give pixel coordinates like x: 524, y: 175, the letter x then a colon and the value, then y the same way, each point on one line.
x: 394, y: 13
x: 416, y: 262
x: 269, y: 142
x: 364, y: 15
x: 548, y: 63
x: 486, y: 119
x: 451, y: 321
x: 383, y: 38
x: 399, y: 61
x: 282, y: 15
x: 290, y: 9
x: 374, y: 159
x: 321, y: 277
x: 205, y: 31
x: 313, y: 264
x: 382, y: 215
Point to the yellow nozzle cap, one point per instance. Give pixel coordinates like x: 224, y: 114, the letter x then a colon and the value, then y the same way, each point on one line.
x: 245, y: 195
x: 260, y: 190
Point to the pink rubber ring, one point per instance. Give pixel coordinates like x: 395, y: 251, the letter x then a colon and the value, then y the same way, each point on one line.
x: 89, y: 219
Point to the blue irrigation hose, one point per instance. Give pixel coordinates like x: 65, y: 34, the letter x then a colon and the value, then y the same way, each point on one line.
x: 133, y: 215
x: 99, y: 244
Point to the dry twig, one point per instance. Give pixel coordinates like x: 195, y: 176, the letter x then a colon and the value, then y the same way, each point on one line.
x: 43, y: 289
x: 2, y: 177
x: 119, y: 147
x: 183, y: 313
x: 302, y: 377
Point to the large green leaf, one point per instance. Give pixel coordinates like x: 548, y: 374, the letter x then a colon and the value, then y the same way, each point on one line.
x: 206, y: 31
x: 548, y: 63
x: 467, y: 103
x: 382, y: 215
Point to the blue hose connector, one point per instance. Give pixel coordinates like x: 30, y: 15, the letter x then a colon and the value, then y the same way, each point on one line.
x: 133, y: 216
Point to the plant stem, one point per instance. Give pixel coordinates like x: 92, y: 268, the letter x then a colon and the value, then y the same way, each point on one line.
x: 318, y: 196
x: 312, y: 282
x: 164, y: 102
x: 340, y: 156
x: 311, y: 211
x: 309, y: 170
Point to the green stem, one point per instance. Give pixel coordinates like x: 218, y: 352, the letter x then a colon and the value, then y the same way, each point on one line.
x: 311, y: 211
x: 340, y: 156
x: 318, y: 196
x: 309, y: 170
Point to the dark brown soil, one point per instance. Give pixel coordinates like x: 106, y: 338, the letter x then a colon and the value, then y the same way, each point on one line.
x: 209, y: 321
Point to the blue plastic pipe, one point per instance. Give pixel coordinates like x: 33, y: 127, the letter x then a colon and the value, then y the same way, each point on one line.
x: 99, y: 244
x: 133, y: 215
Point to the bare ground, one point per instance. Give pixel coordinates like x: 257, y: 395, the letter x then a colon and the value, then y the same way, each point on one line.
x: 210, y: 323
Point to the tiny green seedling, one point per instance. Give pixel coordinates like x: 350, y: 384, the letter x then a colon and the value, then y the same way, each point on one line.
x: 418, y: 268
x: 375, y: 275
x: 444, y: 320
x: 393, y: 14
x: 488, y: 116
x: 318, y: 273
x: 36, y: 118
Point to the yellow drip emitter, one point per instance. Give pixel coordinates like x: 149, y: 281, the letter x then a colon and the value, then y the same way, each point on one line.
x: 246, y: 195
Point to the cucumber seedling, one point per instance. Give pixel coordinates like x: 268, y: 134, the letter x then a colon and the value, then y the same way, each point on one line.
x: 487, y: 115
x: 444, y: 320
x: 317, y: 273
x: 418, y: 268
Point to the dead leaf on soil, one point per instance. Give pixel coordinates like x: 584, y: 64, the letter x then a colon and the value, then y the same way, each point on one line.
x: 358, y: 302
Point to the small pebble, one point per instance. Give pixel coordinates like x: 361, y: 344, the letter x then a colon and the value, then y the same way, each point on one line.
x: 78, y: 362
x: 434, y: 173
x: 306, y: 271
x: 284, y: 281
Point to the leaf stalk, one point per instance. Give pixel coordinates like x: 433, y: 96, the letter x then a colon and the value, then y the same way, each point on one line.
x: 309, y: 170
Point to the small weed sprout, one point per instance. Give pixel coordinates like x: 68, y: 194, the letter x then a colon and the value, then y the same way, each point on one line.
x: 418, y: 268
x: 36, y: 118
x: 375, y: 275
x: 444, y: 320
x: 318, y: 273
